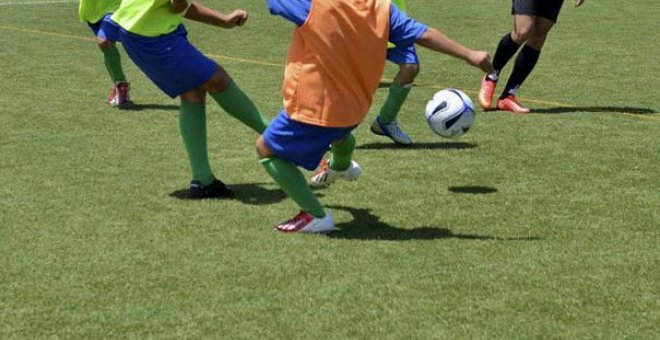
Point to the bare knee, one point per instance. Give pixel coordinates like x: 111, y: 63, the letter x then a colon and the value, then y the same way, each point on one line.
x: 263, y: 150
x: 536, y: 41
x: 219, y: 82
x: 407, y: 73
x: 104, y: 44
x: 195, y: 96
x: 540, y: 33
x: 521, y: 34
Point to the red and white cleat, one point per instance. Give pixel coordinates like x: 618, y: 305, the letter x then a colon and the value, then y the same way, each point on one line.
x: 324, y: 176
x: 119, y: 95
x: 306, y: 223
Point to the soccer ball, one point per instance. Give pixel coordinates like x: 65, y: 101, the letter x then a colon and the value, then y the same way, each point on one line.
x: 450, y: 113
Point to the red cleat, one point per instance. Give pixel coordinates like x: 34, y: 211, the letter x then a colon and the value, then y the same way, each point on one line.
x: 486, y: 93
x: 119, y: 95
x: 511, y: 104
x: 306, y: 223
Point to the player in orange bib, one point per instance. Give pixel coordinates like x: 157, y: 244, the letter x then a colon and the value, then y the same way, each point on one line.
x: 334, y: 67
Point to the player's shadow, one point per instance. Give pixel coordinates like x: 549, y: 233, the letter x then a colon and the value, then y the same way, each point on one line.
x: 472, y: 189
x: 418, y: 146
x: 247, y: 193
x: 367, y: 226
x: 145, y: 107
x: 596, y: 109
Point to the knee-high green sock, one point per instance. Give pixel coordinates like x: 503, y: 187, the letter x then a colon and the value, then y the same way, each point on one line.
x: 294, y: 184
x: 393, y: 103
x: 192, y: 123
x: 112, y: 61
x: 342, y: 154
x: 237, y: 104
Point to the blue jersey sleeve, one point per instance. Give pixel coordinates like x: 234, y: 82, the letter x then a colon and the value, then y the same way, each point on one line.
x: 404, y: 31
x: 295, y: 11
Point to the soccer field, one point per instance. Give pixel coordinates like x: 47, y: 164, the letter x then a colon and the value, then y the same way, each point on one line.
x: 540, y: 226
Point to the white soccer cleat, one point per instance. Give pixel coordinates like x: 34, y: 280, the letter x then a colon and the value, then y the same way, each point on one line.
x: 306, y: 223
x: 391, y: 130
x: 325, y: 175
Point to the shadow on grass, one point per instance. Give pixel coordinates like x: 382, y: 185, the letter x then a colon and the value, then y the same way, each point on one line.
x: 417, y: 146
x: 366, y: 226
x: 144, y: 107
x: 472, y: 189
x: 248, y: 193
x: 597, y: 109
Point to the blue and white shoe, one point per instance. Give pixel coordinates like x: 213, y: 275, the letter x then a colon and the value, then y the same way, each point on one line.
x: 391, y: 130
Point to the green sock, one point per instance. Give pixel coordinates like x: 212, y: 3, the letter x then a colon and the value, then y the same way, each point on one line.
x: 294, y: 184
x: 342, y: 154
x: 192, y: 124
x: 237, y: 104
x: 112, y: 60
x: 393, y: 103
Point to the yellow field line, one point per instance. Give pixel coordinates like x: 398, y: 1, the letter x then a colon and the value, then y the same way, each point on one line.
x: 242, y: 60
x: 264, y: 63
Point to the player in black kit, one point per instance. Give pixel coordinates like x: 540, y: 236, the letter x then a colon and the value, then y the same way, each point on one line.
x: 532, y: 20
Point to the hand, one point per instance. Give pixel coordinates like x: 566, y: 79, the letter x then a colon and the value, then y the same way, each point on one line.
x: 578, y: 3
x: 178, y: 6
x: 237, y: 18
x: 480, y: 59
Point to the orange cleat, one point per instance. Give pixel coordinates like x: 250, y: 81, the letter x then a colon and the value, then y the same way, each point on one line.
x: 486, y: 93
x: 511, y: 104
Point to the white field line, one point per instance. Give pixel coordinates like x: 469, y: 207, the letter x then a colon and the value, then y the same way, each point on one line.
x: 36, y: 3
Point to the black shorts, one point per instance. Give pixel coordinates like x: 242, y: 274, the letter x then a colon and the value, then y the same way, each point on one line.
x: 548, y: 9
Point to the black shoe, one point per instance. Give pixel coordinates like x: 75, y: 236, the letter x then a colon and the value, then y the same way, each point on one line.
x: 216, y: 189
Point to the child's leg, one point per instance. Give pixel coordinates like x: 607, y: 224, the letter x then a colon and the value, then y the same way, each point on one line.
x: 342, y: 153
x: 192, y: 124
x: 399, y: 90
x: 234, y: 101
x: 290, y: 179
x: 112, y: 60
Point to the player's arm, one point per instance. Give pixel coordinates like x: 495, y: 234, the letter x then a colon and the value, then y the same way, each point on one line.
x: 201, y: 13
x: 438, y: 41
x: 405, y: 31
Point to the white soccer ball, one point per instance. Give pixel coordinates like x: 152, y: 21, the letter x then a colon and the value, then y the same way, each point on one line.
x: 450, y: 113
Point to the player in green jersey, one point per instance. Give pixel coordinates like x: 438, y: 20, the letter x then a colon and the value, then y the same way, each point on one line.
x: 154, y: 37
x: 93, y: 12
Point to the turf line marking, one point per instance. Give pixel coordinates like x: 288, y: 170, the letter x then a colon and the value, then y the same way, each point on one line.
x: 257, y: 62
x: 242, y: 60
x: 55, y: 34
x: 36, y: 3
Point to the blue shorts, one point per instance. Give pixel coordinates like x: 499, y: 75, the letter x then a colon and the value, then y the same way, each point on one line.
x: 300, y: 143
x: 170, y: 61
x: 403, y: 55
x: 96, y: 26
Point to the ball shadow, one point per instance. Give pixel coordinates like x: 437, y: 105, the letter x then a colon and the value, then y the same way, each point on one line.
x: 472, y: 189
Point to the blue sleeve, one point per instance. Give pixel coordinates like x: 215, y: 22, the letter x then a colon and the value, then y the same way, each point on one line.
x: 295, y: 11
x: 404, y: 31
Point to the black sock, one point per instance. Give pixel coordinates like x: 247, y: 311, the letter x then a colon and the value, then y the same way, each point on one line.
x: 524, y: 65
x: 505, y: 51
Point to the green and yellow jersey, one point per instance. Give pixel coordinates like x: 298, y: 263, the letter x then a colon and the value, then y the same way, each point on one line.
x: 149, y: 18
x: 94, y: 10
